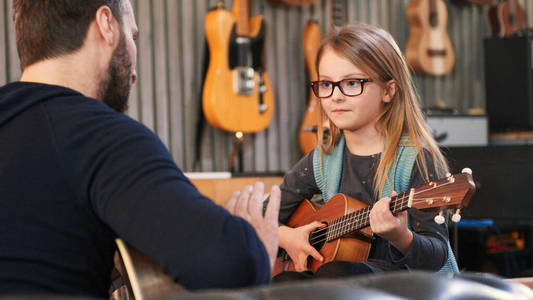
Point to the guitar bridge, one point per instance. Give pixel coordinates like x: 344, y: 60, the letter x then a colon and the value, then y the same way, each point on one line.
x: 243, y: 81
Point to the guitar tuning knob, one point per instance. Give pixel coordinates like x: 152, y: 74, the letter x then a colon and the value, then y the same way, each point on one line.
x: 439, y: 219
x: 467, y: 170
x: 456, y: 216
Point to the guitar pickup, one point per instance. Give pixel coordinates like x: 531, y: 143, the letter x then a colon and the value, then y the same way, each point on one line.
x: 243, y: 81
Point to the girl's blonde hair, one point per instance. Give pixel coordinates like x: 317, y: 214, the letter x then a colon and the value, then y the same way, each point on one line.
x: 375, y: 52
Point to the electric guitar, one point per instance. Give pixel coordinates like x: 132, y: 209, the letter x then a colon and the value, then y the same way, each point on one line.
x: 348, y: 235
x: 429, y: 49
x: 506, y: 18
x: 237, y: 95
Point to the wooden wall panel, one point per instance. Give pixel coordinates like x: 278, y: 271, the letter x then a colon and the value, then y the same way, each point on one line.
x: 171, y: 47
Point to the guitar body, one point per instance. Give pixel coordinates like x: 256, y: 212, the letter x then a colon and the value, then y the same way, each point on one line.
x: 429, y: 49
x: 230, y: 102
x: 307, y: 136
x: 351, y: 248
x: 506, y: 18
x: 144, y: 278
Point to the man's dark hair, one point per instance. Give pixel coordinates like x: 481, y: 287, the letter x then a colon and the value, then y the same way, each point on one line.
x: 50, y: 28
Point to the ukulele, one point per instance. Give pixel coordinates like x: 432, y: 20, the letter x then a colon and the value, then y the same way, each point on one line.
x: 506, y: 18
x: 348, y: 235
x: 429, y: 49
x: 307, y: 135
x: 237, y: 95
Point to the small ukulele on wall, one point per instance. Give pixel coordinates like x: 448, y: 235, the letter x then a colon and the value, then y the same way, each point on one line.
x: 506, y: 18
x: 237, y: 95
x: 429, y: 49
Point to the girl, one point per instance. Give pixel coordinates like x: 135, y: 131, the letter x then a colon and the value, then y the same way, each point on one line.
x: 368, y: 99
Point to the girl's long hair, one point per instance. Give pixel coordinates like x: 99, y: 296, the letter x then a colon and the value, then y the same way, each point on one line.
x: 375, y: 52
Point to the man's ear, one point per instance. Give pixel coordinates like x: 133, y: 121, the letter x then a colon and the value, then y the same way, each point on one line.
x: 107, y: 25
x: 390, y: 91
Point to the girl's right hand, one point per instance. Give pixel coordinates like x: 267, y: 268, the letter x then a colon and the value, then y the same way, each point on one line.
x: 296, y: 242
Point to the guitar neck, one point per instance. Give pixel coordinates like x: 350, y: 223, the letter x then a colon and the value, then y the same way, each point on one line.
x: 338, y: 13
x: 240, y: 10
x: 352, y: 222
x: 433, y: 13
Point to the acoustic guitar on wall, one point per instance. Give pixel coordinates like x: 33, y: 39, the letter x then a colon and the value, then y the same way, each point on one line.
x: 429, y: 49
x: 307, y: 135
x: 348, y: 236
x: 506, y: 18
x: 237, y: 95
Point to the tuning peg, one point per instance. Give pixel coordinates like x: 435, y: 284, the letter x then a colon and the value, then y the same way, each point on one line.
x: 439, y: 219
x: 456, y: 216
x: 467, y: 170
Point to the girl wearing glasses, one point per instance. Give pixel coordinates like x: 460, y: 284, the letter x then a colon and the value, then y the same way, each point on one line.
x: 375, y: 123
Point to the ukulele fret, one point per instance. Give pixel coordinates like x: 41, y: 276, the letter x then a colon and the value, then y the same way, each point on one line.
x: 359, y: 219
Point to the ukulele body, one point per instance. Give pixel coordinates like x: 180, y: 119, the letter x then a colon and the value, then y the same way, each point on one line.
x: 429, y: 49
x: 224, y: 104
x: 354, y: 247
x: 506, y: 20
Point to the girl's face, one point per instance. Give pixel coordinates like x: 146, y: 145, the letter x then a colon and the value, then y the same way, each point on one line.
x: 352, y: 113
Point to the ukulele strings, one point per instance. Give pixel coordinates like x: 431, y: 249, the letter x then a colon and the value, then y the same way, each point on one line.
x: 321, y: 233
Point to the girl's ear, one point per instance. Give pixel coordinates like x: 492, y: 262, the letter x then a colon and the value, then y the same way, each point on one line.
x: 390, y: 91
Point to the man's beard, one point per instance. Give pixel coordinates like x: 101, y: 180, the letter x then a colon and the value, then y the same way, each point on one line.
x: 115, y: 88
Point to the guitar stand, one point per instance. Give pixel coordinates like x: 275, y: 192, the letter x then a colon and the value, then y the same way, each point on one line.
x: 238, y: 142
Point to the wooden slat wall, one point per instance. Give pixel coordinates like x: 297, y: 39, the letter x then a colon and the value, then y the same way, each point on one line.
x: 170, y: 56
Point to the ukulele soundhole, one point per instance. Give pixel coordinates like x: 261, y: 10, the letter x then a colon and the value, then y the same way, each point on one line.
x: 317, y: 238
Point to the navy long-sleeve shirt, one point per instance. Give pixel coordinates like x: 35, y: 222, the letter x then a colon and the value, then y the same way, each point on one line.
x: 74, y: 174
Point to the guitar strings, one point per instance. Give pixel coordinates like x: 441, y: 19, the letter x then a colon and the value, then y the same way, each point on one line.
x: 359, y: 216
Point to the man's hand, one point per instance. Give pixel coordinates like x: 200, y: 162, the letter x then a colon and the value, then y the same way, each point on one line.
x: 248, y: 204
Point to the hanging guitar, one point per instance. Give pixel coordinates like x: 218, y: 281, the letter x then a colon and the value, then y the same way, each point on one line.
x: 429, y: 49
x: 506, y: 18
x: 347, y: 235
x: 307, y: 135
x: 237, y: 95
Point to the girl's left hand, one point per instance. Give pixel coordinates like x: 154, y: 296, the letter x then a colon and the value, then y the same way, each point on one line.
x: 390, y: 227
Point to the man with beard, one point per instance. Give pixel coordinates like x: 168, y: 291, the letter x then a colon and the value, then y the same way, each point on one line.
x: 75, y: 172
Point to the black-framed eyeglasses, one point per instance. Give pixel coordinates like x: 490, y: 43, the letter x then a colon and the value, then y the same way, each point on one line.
x: 349, y: 87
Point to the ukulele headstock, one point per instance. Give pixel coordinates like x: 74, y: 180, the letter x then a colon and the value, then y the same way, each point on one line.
x: 452, y: 192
